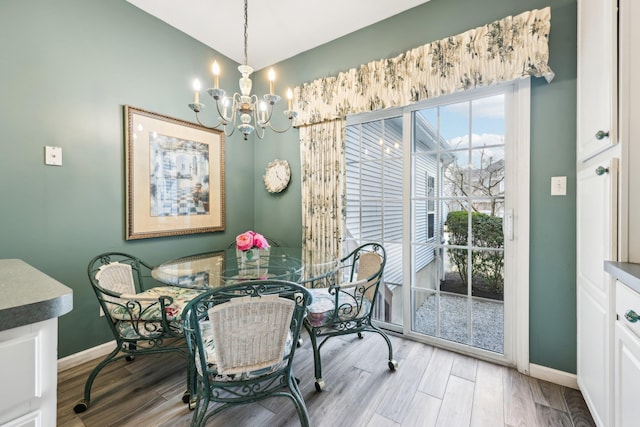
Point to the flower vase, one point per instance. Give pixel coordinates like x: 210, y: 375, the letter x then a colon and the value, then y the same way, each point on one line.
x: 249, y: 262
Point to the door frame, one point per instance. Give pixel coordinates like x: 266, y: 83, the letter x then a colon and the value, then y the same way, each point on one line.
x: 516, y: 297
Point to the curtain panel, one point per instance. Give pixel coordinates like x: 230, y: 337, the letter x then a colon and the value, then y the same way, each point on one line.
x: 511, y: 48
x: 322, y: 171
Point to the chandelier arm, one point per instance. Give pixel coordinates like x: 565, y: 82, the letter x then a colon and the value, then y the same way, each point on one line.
x: 221, y: 117
x: 267, y: 122
x: 257, y: 132
x: 233, y: 124
x: 233, y: 129
x: 216, y: 127
x: 281, y: 130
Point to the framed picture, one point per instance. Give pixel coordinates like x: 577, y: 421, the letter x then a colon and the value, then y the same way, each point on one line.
x: 174, y: 176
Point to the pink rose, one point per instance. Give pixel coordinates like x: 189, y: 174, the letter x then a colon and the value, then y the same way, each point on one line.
x: 244, y: 241
x: 251, y: 239
x: 260, y: 242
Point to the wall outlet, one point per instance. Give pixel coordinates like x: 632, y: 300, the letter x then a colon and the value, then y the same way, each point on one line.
x: 53, y: 156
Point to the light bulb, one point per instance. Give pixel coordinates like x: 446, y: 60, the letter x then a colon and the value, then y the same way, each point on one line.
x: 263, y: 111
x: 196, y: 91
x: 272, y: 78
x: 289, y: 98
x: 216, y: 74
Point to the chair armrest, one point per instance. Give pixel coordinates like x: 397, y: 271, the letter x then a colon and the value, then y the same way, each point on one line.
x: 349, y: 285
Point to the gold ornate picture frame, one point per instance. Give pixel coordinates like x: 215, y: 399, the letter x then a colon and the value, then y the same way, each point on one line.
x: 174, y: 176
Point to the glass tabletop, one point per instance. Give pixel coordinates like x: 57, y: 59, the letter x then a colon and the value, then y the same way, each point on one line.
x: 223, y: 268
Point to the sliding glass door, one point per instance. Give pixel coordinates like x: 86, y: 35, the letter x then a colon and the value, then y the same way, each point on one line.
x: 435, y: 184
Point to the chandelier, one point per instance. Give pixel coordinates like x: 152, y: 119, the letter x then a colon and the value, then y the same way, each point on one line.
x: 243, y: 109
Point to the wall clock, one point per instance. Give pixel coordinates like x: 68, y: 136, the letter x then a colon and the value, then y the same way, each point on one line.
x: 277, y: 176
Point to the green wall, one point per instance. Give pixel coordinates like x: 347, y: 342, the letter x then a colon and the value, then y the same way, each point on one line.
x: 69, y: 66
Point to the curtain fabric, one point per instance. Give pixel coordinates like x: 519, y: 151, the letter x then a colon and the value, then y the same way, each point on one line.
x: 322, y: 172
x: 508, y: 49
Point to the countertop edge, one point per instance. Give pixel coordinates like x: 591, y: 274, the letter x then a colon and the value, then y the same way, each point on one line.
x: 626, y: 272
x: 29, y: 295
x: 37, y: 312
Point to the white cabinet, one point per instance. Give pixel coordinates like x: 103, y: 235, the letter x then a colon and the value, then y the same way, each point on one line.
x: 596, y: 223
x: 627, y: 357
x: 597, y: 76
x: 597, y: 155
x: 28, y: 357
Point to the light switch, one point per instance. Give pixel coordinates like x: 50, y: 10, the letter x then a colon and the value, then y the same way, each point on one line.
x: 558, y: 185
x: 53, y: 156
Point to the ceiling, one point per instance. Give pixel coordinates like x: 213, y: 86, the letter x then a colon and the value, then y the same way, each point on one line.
x: 278, y: 29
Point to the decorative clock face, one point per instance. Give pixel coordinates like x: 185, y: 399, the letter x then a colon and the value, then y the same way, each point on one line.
x: 277, y: 176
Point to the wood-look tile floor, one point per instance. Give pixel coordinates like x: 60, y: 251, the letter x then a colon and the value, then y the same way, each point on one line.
x: 432, y: 387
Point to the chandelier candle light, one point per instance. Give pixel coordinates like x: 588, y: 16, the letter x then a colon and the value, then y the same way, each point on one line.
x: 245, y: 107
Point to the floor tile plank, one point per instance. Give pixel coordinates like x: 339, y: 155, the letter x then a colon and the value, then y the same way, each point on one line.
x: 423, y: 411
x: 520, y: 409
x: 457, y: 403
x: 488, y: 397
x: 436, y: 376
x: 548, y: 394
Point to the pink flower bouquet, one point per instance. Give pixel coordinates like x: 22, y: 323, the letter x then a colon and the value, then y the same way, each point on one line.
x: 251, y: 240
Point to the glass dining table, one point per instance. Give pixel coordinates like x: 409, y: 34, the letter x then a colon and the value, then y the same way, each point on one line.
x: 223, y: 268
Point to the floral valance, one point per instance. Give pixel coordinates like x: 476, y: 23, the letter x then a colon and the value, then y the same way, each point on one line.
x: 510, y: 48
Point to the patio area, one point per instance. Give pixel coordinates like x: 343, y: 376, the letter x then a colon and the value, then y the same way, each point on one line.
x: 487, y: 325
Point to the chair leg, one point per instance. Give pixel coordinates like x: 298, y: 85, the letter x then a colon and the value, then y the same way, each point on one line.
x: 200, y: 412
x: 317, y: 363
x: 301, y: 408
x: 392, y: 363
x: 132, y: 348
x: 83, y: 404
x: 191, y: 382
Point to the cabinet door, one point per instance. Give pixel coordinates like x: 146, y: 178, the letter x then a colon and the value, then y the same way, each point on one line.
x: 627, y: 376
x: 596, y: 82
x: 596, y: 219
x: 596, y: 205
x: 593, y: 354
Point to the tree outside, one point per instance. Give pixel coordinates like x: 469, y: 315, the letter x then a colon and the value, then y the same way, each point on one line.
x: 484, y: 185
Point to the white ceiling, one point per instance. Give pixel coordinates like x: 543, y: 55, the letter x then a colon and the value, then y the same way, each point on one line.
x: 278, y: 29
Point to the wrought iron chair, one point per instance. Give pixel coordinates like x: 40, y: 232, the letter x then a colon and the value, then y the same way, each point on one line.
x: 241, y: 339
x: 346, y: 307
x: 142, y: 319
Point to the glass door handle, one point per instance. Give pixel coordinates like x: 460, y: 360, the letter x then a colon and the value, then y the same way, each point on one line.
x: 507, y: 224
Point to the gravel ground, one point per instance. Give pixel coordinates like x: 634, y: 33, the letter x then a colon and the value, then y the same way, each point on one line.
x: 487, y: 321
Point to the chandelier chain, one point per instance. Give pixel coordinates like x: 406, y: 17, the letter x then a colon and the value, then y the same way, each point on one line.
x: 246, y: 26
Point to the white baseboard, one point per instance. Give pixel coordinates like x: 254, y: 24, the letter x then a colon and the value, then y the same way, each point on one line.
x: 86, y: 355
x: 553, y: 376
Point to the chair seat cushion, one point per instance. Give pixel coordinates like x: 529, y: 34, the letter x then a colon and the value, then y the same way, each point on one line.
x: 210, y: 354
x: 323, y: 306
x: 150, y: 310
